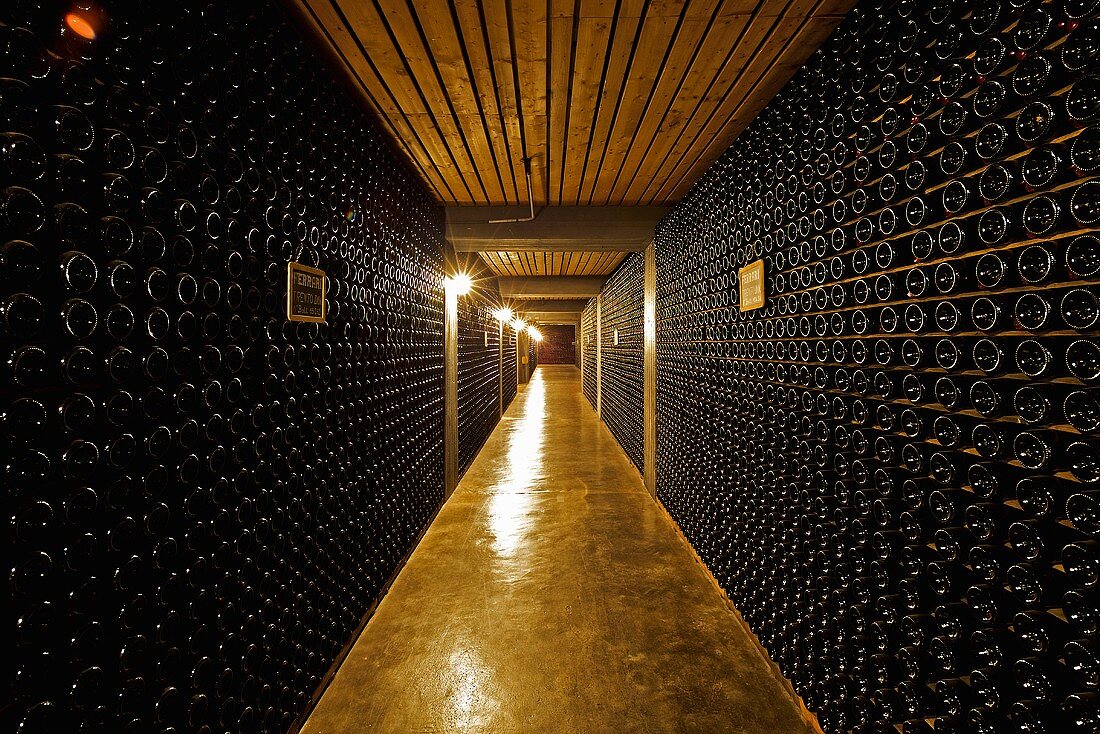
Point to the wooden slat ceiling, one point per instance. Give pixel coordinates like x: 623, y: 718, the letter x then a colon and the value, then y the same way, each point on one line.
x: 552, y: 263
x: 613, y: 101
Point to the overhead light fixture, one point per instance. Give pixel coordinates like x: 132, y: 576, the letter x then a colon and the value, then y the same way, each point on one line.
x: 503, y: 314
x: 518, y: 324
x: 460, y: 284
x: 535, y: 333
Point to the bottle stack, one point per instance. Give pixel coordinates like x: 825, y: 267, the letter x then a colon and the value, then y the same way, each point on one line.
x: 892, y: 467
x: 621, y: 371
x: 204, y: 498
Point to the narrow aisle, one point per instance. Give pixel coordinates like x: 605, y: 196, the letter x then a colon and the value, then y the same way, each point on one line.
x: 552, y: 595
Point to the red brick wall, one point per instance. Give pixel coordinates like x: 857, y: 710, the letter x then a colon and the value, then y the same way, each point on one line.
x: 557, y: 345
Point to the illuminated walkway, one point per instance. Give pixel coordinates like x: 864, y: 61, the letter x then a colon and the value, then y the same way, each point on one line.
x: 552, y: 595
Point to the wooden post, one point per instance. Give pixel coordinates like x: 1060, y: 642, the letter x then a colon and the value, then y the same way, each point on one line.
x: 522, y: 364
x: 649, y: 361
x: 577, y: 360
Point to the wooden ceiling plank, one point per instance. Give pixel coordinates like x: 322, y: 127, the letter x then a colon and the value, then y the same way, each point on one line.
x: 699, y: 77
x: 653, y: 44
x: 527, y: 59
x: 389, y: 59
x: 682, y: 51
x: 547, y: 287
x: 576, y: 262
x: 692, y: 119
x: 613, y: 101
x: 762, y: 34
x: 488, y: 262
x: 334, y: 33
x: 623, y: 44
x: 740, y: 105
x: 593, y: 44
x: 491, y: 260
x: 563, y: 55
x: 513, y: 268
x: 504, y: 266
x: 472, y: 37
x: 811, y: 33
x: 493, y: 61
x: 426, y: 64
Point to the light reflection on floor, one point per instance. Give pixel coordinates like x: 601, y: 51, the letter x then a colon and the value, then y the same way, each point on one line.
x: 510, y: 505
x: 471, y: 699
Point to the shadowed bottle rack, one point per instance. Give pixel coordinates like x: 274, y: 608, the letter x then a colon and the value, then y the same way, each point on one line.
x: 204, y: 498
x: 892, y: 466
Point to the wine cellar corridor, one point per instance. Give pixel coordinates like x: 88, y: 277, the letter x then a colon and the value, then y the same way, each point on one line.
x: 552, y: 594
x: 542, y: 366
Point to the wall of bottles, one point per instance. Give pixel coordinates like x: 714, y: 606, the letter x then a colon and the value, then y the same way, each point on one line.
x: 204, y: 498
x: 511, y: 368
x: 588, y: 351
x: 621, y: 370
x: 557, y: 344
x: 478, y: 372
x: 892, y: 466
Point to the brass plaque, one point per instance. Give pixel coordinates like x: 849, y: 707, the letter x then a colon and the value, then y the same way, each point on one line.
x: 305, y: 293
x: 751, y: 280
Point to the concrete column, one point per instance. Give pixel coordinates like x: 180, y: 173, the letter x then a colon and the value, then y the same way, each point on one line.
x: 581, y: 347
x: 649, y: 361
x: 522, y: 363
x: 450, y: 390
x: 577, y: 356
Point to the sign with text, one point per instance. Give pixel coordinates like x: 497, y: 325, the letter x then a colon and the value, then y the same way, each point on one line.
x: 751, y: 280
x: 305, y: 293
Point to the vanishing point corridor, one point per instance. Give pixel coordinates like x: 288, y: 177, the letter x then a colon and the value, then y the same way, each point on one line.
x: 552, y: 594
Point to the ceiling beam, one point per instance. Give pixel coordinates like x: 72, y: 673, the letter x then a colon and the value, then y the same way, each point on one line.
x: 551, y: 318
x: 551, y: 286
x: 554, y: 228
x: 565, y: 306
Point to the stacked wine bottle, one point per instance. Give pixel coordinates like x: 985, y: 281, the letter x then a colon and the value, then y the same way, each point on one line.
x: 478, y: 372
x: 588, y: 344
x: 511, y: 367
x: 621, y: 379
x: 204, y: 498
x: 892, y: 466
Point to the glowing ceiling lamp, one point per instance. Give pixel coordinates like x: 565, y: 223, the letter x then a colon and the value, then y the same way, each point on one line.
x: 460, y: 284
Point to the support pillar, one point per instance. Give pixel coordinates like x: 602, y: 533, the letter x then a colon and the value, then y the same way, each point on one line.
x: 523, y: 344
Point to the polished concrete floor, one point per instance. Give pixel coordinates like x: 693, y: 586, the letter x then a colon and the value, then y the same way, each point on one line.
x: 552, y: 594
